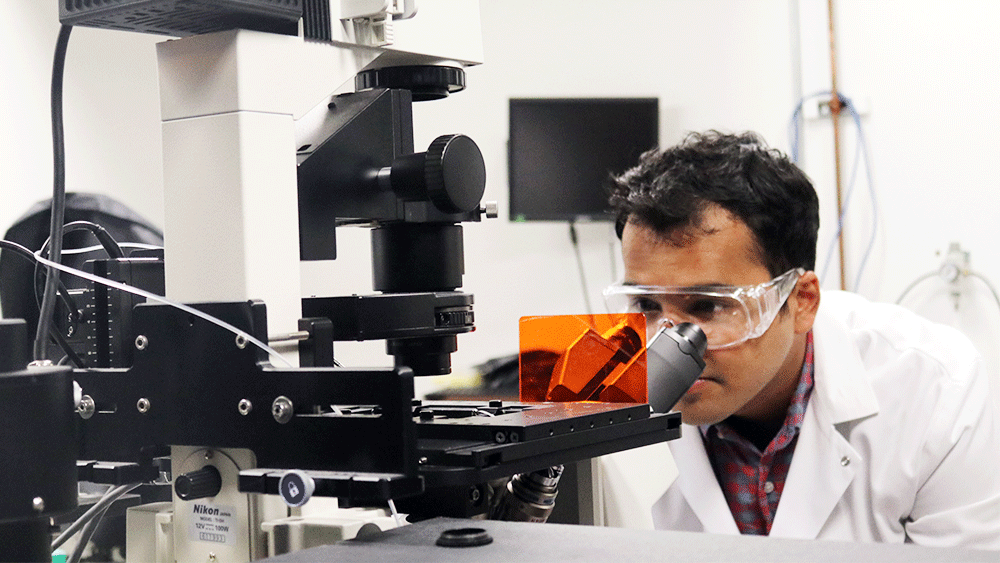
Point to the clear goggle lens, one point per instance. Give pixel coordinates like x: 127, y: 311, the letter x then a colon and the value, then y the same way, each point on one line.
x: 729, y: 316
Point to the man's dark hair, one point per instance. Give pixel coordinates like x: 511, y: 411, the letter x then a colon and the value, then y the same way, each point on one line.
x: 669, y: 192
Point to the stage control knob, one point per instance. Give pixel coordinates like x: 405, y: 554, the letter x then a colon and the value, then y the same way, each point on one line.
x: 296, y: 488
x: 203, y: 483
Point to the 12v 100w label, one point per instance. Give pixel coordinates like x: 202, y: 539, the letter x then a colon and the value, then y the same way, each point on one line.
x: 212, y: 523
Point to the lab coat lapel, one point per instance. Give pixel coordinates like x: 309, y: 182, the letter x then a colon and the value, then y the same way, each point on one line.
x: 823, y: 466
x: 698, y: 485
x: 824, y: 463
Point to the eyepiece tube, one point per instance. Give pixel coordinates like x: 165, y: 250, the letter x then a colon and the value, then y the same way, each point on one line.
x: 674, y: 360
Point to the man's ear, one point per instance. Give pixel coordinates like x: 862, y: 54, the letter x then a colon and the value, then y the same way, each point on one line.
x: 805, y: 302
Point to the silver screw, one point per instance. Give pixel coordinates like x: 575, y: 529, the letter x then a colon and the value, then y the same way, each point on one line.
x: 87, y: 407
x: 142, y: 405
x: 422, y: 461
x: 282, y: 409
x: 211, y: 557
x: 208, y: 454
x: 489, y: 209
x: 241, y: 341
x: 245, y: 407
x: 38, y: 503
x: 141, y: 342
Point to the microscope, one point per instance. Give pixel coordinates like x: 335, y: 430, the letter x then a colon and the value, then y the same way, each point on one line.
x: 282, y: 122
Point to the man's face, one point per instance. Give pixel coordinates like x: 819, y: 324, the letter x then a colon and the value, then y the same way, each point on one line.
x: 755, y: 379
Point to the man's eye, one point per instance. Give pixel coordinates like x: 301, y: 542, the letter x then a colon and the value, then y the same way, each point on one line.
x: 705, y: 309
x: 644, y: 305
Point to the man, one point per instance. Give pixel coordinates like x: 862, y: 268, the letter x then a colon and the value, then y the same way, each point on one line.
x: 835, y: 418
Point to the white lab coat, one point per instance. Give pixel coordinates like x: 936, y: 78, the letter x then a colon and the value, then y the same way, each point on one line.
x: 900, y: 443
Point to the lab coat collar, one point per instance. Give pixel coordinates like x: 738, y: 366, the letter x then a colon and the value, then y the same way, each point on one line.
x: 822, y: 455
x: 825, y: 463
x: 841, y: 383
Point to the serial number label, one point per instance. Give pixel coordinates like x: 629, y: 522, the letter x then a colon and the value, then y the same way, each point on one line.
x: 212, y: 523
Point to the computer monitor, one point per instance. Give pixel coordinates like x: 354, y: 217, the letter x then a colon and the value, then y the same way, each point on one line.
x: 563, y: 151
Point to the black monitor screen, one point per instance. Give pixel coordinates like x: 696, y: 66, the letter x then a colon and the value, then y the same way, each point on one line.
x: 563, y: 151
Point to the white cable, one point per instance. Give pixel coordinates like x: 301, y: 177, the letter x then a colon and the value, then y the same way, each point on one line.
x: 395, y: 514
x: 108, y: 498
x: 984, y: 279
x: 162, y: 299
x: 86, y: 535
x: 993, y: 290
x: 914, y: 284
x: 97, y: 247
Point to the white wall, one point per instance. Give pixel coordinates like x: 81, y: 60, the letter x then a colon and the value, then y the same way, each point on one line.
x: 112, y: 112
x: 925, y: 69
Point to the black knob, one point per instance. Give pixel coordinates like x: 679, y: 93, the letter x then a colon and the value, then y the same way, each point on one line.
x: 425, y: 82
x: 204, y: 483
x: 451, y: 174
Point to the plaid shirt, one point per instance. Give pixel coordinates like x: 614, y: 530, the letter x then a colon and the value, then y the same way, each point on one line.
x: 752, y: 481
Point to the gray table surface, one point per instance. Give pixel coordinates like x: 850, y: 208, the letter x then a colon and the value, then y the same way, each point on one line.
x: 517, y: 541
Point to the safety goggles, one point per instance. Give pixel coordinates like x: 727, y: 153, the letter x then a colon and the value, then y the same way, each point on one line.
x: 729, y: 315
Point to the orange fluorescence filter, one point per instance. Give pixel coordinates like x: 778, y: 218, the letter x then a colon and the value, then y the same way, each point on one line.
x: 583, y: 358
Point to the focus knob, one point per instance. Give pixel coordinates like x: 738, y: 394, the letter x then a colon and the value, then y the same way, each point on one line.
x: 451, y: 174
x: 204, y: 483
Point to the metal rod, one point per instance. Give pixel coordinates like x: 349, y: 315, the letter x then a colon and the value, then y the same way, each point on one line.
x: 835, y: 116
x: 289, y: 337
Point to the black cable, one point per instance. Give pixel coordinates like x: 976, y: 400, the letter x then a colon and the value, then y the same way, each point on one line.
x: 66, y: 348
x: 161, y: 299
x: 58, y: 193
x: 64, y: 294
x: 108, y: 242
x: 67, y: 300
x: 102, y: 235
x: 579, y: 260
x: 18, y: 250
